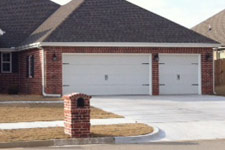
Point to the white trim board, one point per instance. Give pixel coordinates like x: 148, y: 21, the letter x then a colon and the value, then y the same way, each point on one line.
x: 116, y: 44
x: 127, y: 44
x: 10, y: 62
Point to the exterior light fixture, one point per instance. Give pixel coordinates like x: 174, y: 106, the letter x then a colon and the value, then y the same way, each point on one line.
x: 156, y: 57
x: 208, y: 57
x: 54, y: 57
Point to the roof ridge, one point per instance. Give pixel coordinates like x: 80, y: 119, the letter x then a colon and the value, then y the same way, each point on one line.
x: 55, y: 20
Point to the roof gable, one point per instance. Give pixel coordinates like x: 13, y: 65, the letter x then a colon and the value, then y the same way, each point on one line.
x: 19, y: 18
x: 214, y: 27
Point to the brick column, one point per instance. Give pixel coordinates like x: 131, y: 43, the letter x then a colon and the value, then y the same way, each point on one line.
x: 155, y: 74
x: 77, y: 115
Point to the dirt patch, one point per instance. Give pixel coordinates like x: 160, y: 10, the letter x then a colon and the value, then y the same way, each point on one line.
x: 26, y: 98
x: 58, y: 133
x: 10, y: 113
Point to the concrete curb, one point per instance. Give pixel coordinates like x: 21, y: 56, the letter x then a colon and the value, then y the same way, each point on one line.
x: 59, y: 142
x: 137, y: 139
x: 84, y: 141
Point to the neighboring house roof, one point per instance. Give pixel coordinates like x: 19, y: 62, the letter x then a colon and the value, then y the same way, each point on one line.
x: 88, y: 21
x: 115, y: 21
x: 213, y: 27
x: 19, y: 18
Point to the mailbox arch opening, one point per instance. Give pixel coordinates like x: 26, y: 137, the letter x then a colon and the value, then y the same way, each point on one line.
x: 80, y: 102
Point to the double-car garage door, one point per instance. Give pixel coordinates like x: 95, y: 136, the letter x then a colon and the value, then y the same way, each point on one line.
x: 124, y: 74
x: 107, y: 74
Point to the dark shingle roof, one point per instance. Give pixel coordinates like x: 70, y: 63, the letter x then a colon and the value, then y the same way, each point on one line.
x: 19, y: 18
x: 31, y: 21
x: 213, y: 27
x: 120, y: 21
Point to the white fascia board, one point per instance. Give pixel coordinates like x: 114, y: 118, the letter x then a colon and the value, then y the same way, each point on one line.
x: 221, y: 49
x: 111, y: 44
x: 27, y: 47
x: 128, y: 44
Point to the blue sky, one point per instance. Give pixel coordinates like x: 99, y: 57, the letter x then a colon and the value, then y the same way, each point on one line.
x: 185, y: 12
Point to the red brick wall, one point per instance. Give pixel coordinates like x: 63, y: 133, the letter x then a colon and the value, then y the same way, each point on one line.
x: 26, y: 85
x: 54, y: 68
x: 31, y: 85
x: 77, y: 119
x: 8, y: 80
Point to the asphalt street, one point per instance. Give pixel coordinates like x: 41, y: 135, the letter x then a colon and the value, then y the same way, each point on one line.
x: 195, y: 145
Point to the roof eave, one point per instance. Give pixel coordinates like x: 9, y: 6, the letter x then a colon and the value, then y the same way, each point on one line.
x: 128, y: 44
x: 8, y: 49
x: 117, y: 44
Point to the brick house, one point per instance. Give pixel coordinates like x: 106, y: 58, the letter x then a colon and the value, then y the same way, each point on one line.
x: 99, y: 47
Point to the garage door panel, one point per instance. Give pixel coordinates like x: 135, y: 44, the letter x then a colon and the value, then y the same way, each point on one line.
x: 179, y: 74
x: 112, y: 79
x: 104, y: 60
x: 106, y: 75
x: 107, y: 90
x: 97, y: 76
x: 107, y: 68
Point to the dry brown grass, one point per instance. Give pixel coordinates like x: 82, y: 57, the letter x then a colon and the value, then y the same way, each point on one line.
x: 121, y: 130
x: 4, y: 97
x: 42, y: 112
x: 58, y: 133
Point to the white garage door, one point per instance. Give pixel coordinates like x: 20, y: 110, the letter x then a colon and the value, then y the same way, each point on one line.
x: 106, y: 74
x: 179, y: 74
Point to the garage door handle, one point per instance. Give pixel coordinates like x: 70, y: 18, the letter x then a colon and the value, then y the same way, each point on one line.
x: 162, y: 84
x: 145, y: 85
x: 66, y: 63
x: 145, y: 63
x: 194, y: 84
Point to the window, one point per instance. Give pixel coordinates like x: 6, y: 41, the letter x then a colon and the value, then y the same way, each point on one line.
x: 6, y: 62
x: 30, y: 66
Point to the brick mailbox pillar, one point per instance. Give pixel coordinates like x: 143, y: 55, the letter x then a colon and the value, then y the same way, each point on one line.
x: 77, y: 115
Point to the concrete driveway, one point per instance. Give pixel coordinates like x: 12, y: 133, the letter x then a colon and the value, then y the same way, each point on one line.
x: 178, y: 117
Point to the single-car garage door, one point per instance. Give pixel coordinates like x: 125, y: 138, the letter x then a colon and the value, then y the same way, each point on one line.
x: 179, y: 74
x: 95, y: 74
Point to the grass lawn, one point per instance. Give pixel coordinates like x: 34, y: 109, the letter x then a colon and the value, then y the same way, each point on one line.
x: 10, y: 113
x: 58, y: 133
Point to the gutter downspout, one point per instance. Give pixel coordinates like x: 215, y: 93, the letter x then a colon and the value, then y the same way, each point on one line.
x: 214, y: 90
x: 43, y: 77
